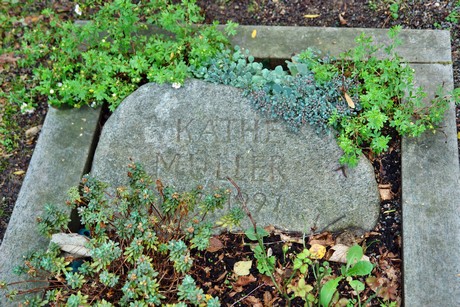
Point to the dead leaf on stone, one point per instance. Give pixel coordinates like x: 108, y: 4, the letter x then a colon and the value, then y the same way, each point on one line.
x: 72, y: 243
x: 254, y: 33
x: 342, y: 20
x: 245, y: 280
x: 350, y: 102
x: 311, y: 16
x: 241, y: 268
x: 31, y: 132
x: 214, y: 245
x: 340, y: 254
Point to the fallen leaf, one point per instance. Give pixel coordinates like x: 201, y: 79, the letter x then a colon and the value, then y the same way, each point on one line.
x: 324, y: 239
x: 214, y: 245
x: 311, y: 16
x: 254, y: 34
x: 342, y: 20
x: 8, y: 58
x: 385, y: 191
x: 72, y: 243
x: 340, y: 254
x: 245, y: 280
x: 253, y: 301
x: 289, y: 239
x: 242, y: 268
x: 31, y: 132
x: 32, y: 19
x: 222, y: 276
x: 268, y: 299
x: 317, y: 251
x: 19, y: 173
x: 350, y: 102
x: 458, y: 135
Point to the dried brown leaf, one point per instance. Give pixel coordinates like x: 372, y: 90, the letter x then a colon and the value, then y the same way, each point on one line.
x: 214, y: 245
x: 342, y: 20
x: 8, y: 58
x: 340, y: 254
x: 245, y: 280
x: 253, y: 301
x: 268, y: 299
x: 350, y: 102
x: 31, y: 132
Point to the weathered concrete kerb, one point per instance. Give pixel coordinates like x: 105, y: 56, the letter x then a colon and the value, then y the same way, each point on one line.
x: 61, y: 157
x: 202, y: 133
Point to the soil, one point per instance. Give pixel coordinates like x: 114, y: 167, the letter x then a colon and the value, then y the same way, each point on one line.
x: 384, y: 241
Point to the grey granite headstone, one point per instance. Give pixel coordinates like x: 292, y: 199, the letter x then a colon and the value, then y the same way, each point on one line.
x: 202, y: 133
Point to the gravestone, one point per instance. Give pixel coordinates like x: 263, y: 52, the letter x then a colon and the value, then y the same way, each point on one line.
x: 202, y: 133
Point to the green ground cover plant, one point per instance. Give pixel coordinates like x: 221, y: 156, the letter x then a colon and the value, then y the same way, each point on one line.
x: 106, y: 59
x: 136, y: 245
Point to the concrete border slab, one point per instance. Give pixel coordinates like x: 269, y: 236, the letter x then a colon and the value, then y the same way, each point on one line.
x: 281, y: 42
x: 431, y: 205
x: 62, y: 155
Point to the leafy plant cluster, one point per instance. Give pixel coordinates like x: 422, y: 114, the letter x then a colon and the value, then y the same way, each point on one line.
x: 359, y: 96
x: 307, y: 265
x: 139, y: 241
x: 124, y: 46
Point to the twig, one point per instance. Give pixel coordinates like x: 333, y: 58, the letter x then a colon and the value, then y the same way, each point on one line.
x: 247, y: 295
x: 243, y: 203
x: 331, y: 223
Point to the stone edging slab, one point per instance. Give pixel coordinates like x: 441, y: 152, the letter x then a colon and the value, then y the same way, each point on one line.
x: 61, y: 157
x: 430, y: 168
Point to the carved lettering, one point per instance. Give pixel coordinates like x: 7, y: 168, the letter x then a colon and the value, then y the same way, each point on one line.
x: 162, y: 164
x: 181, y: 129
x: 276, y: 164
x: 209, y: 132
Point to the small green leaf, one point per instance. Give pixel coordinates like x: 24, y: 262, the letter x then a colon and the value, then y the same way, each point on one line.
x: 253, y: 235
x: 356, y: 285
x: 361, y: 268
x: 354, y: 254
x: 328, y: 290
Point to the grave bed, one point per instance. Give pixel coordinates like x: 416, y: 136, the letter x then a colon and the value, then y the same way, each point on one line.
x: 430, y: 168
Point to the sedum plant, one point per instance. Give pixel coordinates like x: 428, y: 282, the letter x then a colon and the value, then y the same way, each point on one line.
x: 138, y: 243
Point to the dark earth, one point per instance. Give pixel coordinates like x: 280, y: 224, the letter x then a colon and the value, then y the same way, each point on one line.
x: 384, y: 242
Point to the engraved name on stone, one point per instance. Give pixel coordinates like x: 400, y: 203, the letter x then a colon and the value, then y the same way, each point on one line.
x: 187, y: 154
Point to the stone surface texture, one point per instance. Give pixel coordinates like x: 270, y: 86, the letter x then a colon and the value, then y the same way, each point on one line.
x: 202, y: 133
x: 431, y: 205
x: 281, y: 42
x: 60, y: 158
